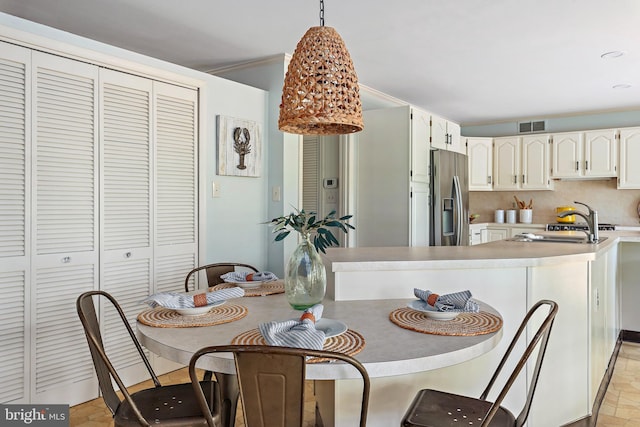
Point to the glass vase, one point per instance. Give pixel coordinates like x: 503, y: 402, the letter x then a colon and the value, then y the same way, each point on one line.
x: 305, y: 280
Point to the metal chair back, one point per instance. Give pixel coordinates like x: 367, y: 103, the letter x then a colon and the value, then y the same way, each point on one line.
x: 271, y: 381
x: 435, y: 408
x: 214, y: 271
x: 145, y: 407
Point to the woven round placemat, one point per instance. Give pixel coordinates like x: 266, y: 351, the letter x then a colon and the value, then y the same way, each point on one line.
x: 167, y: 318
x: 350, y: 343
x: 465, y: 324
x: 268, y: 288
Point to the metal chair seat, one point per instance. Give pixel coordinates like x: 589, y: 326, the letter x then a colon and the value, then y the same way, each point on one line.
x: 433, y: 408
x: 172, y: 405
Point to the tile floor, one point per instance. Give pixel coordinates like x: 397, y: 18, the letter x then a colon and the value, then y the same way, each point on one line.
x: 621, y: 406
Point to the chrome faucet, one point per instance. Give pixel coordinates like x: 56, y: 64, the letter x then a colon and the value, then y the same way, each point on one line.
x: 592, y: 221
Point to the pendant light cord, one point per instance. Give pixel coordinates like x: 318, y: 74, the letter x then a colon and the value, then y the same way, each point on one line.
x: 322, y: 13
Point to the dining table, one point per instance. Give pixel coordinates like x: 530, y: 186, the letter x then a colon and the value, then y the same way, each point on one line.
x: 386, y: 350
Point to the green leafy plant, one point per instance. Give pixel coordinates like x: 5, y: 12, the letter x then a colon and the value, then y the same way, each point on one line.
x: 306, y: 224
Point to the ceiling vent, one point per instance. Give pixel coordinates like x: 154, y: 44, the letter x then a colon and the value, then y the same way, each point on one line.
x: 532, y: 126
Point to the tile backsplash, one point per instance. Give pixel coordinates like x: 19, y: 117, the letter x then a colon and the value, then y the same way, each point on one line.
x: 614, y: 206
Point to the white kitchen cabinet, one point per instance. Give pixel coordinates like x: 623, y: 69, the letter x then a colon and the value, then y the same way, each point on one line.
x: 535, y: 163
x: 590, y: 154
x: 476, y: 232
x: 480, y: 154
x: 445, y: 135
x: 629, y: 174
x: 419, y: 228
x: 385, y: 156
x: 521, y: 163
x: 506, y: 163
x: 495, y: 233
x: 420, y: 145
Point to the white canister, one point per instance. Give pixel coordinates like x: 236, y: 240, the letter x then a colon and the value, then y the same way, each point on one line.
x: 511, y: 216
x: 499, y: 216
x: 526, y: 216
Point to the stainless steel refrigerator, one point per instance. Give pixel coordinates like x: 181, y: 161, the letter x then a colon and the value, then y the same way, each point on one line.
x: 449, y: 199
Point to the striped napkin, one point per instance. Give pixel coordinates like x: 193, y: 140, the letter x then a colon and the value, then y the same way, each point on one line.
x: 181, y: 300
x: 243, y: 276
x: 296, y: 333
x: 457, y: 301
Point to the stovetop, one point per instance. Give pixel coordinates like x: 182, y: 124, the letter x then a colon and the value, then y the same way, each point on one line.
x: 579, y: 226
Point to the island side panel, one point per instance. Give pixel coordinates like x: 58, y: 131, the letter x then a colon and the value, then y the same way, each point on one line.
x: 562, y: 395
x: 505, y: 289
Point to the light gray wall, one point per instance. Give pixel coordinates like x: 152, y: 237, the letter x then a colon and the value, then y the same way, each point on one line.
x: 560, y: 124
x: 283, y: 151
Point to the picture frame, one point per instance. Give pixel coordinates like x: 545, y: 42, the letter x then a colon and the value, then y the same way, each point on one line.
x: 239, y: 147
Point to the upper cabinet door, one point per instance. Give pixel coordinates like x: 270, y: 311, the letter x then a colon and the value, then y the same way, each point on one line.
x: 455, y: 140
x: 439, y: 134
x: 506, y: 163
x: 420, y: 145
x: 567, y: 155
x: 535, y: 163
x: 629, y: 154
x: 600, y: 153
x: 480, y: 154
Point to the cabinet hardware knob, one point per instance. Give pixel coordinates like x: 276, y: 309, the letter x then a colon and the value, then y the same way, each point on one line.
x: 128, y: 255
x: 66, y: 260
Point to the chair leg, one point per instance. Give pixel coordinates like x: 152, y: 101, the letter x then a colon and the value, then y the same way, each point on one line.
x: 229, y: 393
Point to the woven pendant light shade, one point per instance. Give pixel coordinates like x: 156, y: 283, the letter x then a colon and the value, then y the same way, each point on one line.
x: 321, y: 94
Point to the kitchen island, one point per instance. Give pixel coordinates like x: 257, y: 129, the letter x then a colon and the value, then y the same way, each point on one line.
x: 510, y: 276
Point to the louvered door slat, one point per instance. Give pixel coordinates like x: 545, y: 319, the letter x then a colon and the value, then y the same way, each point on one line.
x: 58, y: 287
x: 65, y: 161
x: 171, y: 271
x: 123, y: 280
x: 12, y: 336
x: 126, y: 139
x: 176, y: 126
x: 12, y: 156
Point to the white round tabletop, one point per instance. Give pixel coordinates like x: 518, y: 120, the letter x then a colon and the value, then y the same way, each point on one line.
x: 389, y: 350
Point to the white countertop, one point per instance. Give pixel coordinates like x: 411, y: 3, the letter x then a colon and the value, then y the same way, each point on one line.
x: 500, y: 253
x: 380, y: 355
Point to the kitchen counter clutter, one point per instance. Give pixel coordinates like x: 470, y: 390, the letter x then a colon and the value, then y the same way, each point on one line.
x: 586, y: 280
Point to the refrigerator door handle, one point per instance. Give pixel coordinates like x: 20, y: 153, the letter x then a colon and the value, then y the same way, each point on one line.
x: 458, y: 199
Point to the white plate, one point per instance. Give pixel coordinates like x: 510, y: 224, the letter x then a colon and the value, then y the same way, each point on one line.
x: 331, y: 328
x: 432, y: 312
x: 198, y: 311
x: 249, y: 285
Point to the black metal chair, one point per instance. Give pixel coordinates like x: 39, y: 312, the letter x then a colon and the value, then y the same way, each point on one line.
x: 271, y: 382
x: 432, y: 408
x: 215, y: 270
x: 172, y: 405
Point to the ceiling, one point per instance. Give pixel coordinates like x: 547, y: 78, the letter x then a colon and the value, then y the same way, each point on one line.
x: 471, y: 61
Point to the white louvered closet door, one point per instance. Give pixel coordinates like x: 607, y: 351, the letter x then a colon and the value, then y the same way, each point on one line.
x: 176, y: 209
x: 65, y: 227
x: 126, y: 209
x: 15, y: 184
x: 176, y: 127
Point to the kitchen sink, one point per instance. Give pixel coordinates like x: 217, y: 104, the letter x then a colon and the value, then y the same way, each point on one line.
x: 555, y: 237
